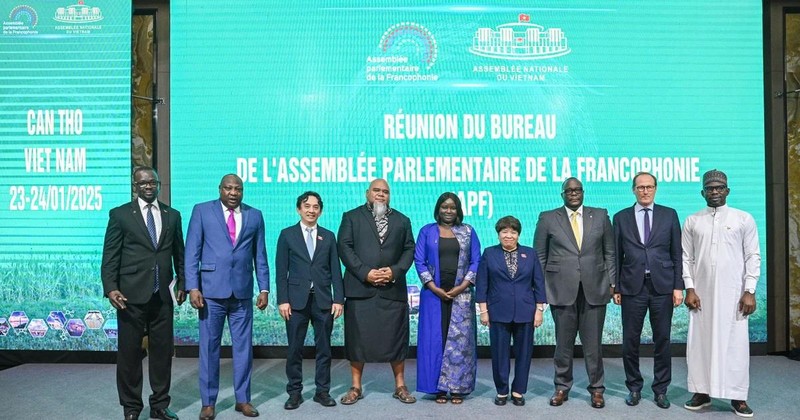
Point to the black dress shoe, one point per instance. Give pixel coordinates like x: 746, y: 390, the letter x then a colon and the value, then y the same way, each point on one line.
x: 324, y: 399
x: 518, y: 401
x: 163, y: 414
x: 293, y: 402
x: 498, y: 400
x: 131, y: 416
x: 633, y: 398
x: 662, y: 401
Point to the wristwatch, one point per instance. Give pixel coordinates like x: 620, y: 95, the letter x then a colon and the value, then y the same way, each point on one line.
x: 540, y: 309
x: 751, y: 291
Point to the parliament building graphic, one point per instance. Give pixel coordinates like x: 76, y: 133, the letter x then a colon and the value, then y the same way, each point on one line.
x: 520, y: 40
x: 78, y: 13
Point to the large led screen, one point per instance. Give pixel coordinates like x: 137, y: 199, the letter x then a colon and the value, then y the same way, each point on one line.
x: 65, y: 77
x: 496, y: 101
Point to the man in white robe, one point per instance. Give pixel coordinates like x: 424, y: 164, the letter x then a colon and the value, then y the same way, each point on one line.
x: 721, y: 266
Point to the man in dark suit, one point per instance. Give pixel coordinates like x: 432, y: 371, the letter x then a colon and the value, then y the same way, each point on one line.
x: 143, y: 247
x: 649, y: 277
x: 575, y: 245
x: 224, y: 245
x: 307, y: 267
x: 377, y: 248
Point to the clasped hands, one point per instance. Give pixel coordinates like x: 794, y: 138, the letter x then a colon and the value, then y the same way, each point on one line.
x: 380, y: 276
x: 449, y: 294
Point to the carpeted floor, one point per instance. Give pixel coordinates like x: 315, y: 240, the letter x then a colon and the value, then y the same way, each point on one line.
x: 86, y: 392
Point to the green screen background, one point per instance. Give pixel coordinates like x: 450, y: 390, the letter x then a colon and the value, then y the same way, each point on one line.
x: 672, y: 79
x: 51, y: 242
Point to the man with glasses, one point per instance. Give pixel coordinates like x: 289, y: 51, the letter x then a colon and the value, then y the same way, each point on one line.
x: 142, y: 252
x: 648, y: 243
x: 225, y: 247
x: 721, y: 266
x: 575, y: 245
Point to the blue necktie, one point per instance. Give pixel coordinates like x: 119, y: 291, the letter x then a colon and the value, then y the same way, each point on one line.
x: 151, y: 229
x: 310, y: 243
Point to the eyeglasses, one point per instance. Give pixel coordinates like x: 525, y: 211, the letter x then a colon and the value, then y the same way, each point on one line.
x: 715, y: 188
x: 570, y: 191
x: 643, y: 188
x: 147, y: 184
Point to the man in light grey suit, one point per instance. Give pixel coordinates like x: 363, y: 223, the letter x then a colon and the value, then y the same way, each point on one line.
x: 575, y: 245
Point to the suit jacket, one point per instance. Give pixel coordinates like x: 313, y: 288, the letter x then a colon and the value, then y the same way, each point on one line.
x: 510, y: 299
x: 129, y: 259
x: 215, y: 266
x: 361, y: 251
x: 566, y: 267
x: 296, y: 272
x: 662, y: 252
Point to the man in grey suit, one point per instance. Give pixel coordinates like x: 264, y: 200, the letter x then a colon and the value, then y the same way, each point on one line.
x: 648, y: 238
x: 575, y: 245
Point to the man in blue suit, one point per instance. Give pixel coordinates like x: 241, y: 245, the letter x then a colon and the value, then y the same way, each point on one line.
x: 224, y: 246
x: 307, y: 265
x: 649, y: 277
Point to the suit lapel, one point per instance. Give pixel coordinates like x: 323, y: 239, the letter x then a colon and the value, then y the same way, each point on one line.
x: 371, y: 223
x: 317, y: 242
x: 138, y: 219
x: 588, y: 222
x: 300, y: 241
x: 658, y: 222
x: 563, y: 221
x: 630, y: 223
x: 165, y: 218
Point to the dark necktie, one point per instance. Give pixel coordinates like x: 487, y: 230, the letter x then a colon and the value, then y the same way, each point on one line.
x: 151, y: 229
x: 646, y: 225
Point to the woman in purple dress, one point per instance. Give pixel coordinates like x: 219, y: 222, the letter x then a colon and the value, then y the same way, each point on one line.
x: 446, y: 257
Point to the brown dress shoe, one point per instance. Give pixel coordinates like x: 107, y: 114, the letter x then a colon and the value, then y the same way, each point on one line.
x: 597, y: 400
x: 559, y: 397
x: 401, y: 393
x: 207, y: 413
x: 247, y: 409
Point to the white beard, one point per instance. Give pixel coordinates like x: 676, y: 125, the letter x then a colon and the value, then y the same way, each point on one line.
x: 379, y: 209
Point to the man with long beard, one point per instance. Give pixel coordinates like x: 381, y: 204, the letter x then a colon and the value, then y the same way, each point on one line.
x: 377, y: 248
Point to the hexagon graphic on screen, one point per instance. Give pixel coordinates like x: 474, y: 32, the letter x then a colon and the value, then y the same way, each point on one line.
x: 56, y: 320
x: 37, y: 328
x: 110, y: 328
x: 19, y: 321
x: 75, y: 328
x: 94, y: 320
x: 5, y: 327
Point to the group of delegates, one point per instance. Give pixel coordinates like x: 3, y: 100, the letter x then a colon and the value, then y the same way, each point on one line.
x: 578, y: 263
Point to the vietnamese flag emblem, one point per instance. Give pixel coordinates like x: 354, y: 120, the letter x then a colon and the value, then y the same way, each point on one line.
x: 524, y: 18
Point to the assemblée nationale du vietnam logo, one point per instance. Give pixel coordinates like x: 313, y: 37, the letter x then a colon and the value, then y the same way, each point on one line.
x: 78, y: 18
x: 407, y: 53
x: 519, y: 42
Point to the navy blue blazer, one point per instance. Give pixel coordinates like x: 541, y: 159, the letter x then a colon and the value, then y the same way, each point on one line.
x: 510, y: 299
x: 296, y: 271
x: 662, y: 253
